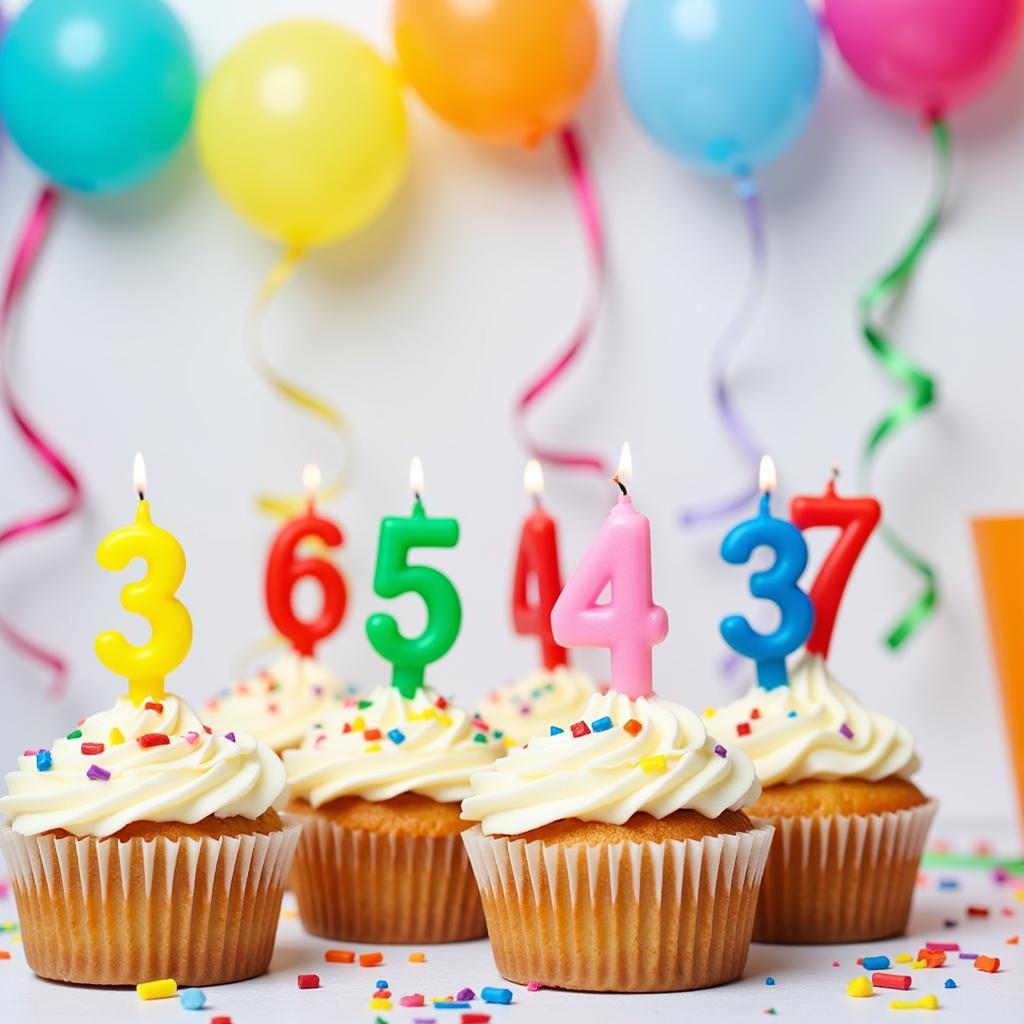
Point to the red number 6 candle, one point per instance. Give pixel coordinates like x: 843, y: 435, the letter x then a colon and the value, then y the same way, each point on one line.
x: 856, y: 519
x: 284, y: 571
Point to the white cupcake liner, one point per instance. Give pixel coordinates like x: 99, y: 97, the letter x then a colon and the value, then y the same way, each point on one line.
x: 357, y: 885
x: 842, y: 878
x: 622, y: 917
x: 203, y: 911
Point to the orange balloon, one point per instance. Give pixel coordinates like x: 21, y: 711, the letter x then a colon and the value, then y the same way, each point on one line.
x: 508, y: 71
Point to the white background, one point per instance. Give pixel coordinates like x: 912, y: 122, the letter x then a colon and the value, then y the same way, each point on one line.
x: 425, y: 327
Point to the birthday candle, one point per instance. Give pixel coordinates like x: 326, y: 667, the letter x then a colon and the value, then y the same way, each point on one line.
x: 630, y: 623
x: 394, y: 576
x: 152, y: 597
x: 777, y: 584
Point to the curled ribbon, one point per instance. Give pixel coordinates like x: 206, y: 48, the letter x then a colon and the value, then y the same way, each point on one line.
x: 26, y: 254
x: 590, y: 216
x: 919, y: 386
x: 725, y: 349
x: 283, y: 506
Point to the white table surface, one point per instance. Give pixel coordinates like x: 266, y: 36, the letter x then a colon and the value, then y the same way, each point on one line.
x: 808, y: 987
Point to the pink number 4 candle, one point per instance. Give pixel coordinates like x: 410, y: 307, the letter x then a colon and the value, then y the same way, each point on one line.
x: 630, y: 623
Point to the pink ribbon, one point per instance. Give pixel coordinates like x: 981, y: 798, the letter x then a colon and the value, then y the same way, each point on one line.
x: 26, y: 253
x: 590, y: 215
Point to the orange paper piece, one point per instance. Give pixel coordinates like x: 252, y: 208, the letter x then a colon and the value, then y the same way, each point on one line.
x: 999, y: 545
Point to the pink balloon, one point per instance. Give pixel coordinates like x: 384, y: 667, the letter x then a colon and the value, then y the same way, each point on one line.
x: 928, y: 55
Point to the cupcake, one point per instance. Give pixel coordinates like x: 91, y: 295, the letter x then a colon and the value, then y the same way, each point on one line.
x: 850, y: 825
x: 614, y: 854
x: 530, y: 706
x: 142, y: 845
x: 380, y: 858
x: 280, y: 705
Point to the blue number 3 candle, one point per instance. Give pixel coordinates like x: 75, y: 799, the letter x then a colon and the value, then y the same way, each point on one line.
x: 777, y: 584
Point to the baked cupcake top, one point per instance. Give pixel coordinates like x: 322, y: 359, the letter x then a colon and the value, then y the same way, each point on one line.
x: 389, y: 744
x: 814, y: 728
x: 153, y: 762
x: 622, y: 758
x: 280, y: 705
x: 531, y: 705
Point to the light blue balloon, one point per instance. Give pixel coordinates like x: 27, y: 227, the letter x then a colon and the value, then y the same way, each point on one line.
x: 98, y: 94
x: 726, y: 85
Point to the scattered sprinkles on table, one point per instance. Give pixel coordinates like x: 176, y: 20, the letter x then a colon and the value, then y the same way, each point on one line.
x: 162, y: 989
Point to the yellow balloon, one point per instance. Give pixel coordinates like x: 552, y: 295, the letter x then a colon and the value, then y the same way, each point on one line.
x: 302, y: 129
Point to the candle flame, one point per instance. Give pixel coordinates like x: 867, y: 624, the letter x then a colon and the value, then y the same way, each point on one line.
x: 139, y: 475
x: 768, y: 479
x: 416, y: 476
x: 533, y: 478
x: 624, y: 474
x: 311, y: 479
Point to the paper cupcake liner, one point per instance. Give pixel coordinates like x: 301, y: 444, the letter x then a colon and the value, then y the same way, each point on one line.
x: 624, y: 917
x: 109, y: 912
x: 842, y: 878
x: 361, y: 886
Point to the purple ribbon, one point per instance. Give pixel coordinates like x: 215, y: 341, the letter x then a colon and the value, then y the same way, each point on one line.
x: 724, y: 351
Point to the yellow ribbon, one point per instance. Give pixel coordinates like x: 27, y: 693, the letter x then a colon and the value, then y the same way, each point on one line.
x: 285, y: 506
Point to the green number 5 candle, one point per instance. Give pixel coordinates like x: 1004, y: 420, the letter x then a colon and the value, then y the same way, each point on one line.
x: 395, y: 576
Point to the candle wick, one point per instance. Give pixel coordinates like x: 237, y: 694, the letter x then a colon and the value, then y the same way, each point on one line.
x: 142, y: 495
x: 620, y: 485
x: 536, y: 501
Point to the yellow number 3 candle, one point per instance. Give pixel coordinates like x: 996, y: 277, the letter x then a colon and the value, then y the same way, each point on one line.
x: 152, y: 597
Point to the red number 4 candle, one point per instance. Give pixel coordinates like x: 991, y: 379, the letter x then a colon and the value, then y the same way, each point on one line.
x: 856, y: 519
x: 537, y: 559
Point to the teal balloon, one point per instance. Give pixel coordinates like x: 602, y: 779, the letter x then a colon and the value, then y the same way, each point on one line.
x: 98, y: 94
x: 726, y: 85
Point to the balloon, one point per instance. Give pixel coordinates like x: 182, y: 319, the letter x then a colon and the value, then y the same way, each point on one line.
x: 303, y: 131
x: 726, y: 85
x: 507, y: 71
x: 928, y: 55
x: 98, y: 94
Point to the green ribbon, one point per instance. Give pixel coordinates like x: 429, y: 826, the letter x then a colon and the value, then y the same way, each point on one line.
x: 1012, y: 865
x: 918, y: 385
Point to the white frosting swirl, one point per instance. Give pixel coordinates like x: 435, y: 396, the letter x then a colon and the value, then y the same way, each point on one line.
x: 530, y: 706
x: 194, y: 775
x: 669, y: 764
x: 280, y: 705
x: 432, y: 751
x: 814, y: 728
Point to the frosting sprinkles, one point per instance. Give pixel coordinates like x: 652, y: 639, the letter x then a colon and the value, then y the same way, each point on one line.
x: 623, y: 757
x: 531, y: 705
x: 280, y: 704
x: 154, y: 764
x: 421, y: 744
x: 816, y: 729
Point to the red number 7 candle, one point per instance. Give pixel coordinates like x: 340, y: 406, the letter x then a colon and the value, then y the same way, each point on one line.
x: 856, y: 519
x: 537, y: 559
x: 285, y: 570
x: 630, y: 624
